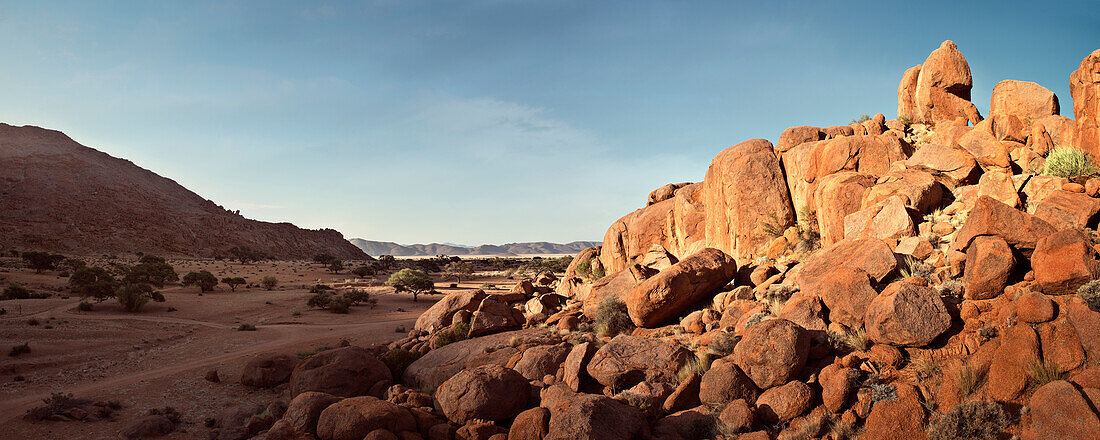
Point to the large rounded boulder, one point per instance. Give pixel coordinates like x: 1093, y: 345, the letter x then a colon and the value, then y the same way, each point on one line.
x: 906, y: 314
x: 627, y: 360
x: 667, y: 294
x: 489, y: 392
x: 345, y: 372
x: 354, y: 418
x: 304, y: 410
x: 772, y: 352
x: 268, y: 371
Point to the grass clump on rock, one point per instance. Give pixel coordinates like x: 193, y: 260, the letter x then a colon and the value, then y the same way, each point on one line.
x: 1042, y: 372
x: 1069, y: 162
x: 1090, y: 293
x: 612, y: 318
x: 975, y: 420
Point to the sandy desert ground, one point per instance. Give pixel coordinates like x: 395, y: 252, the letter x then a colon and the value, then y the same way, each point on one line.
x: 159, y: 357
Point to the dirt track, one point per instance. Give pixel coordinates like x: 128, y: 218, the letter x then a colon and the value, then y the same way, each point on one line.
x: 281, y: 336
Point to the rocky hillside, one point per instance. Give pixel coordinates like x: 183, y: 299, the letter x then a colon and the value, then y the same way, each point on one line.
x: 376, y: 248
x: 60, y: 196
x: 916, y: 278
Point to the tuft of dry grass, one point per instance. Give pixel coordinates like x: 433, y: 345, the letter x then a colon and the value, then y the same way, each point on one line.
x: 924, y: 367
x: 1043, y: 372
x: 967, y: 379
x: 857, y: 340
x: 697, y: 365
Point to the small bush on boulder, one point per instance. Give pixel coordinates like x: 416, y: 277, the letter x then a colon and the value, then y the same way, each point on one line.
x: 612, y: 318
x: 1090, y: 293
x: 1069, y: 162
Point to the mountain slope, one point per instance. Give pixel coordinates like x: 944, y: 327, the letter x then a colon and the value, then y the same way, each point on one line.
x: 376, y: 248
x: 60, y: 196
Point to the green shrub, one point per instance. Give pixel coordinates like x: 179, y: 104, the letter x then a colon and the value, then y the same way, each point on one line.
x: 246, y: 327
x: 40, y: 261
x: 860, y: 119
x: 16, y: 292
x: 269, y: 282
x: 1090, y: 293
x: 457, y: 333
x: 340, y: 305
x: 1069, y: 162
x: 975, y: 420
x: 151, y: 269
x: 306, y: 354
x: 360, y: 296
x: 93, y: 282
x: 399, y: 359
x: 319, y: 301
x: 612, y: 318
x: 584, y: 269
x: 133, y: 297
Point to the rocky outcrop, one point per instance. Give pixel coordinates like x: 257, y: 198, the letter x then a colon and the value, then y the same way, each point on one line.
x: 667, y: 294
x: 772, y: 352
x: 440, y: 314
x: 488, y: 392
x: 354, y: 418
x: 746, y: 174
x: 627, y: 360
x: 432, y: 369
x: 345, y: 372
x: 990, y: 217
x: 941, y: 91
x: 906, y: 314
x: 268, y: 371
x: 1084, y: 86
x: 1063, y: 261
x: 1023, y: 99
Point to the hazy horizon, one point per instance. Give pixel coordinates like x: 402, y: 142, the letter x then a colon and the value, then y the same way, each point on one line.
x: 487, y: 121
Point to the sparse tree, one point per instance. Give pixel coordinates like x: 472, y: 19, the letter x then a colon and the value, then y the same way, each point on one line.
x: 458, y: 270
x: 319, y: 300
x: 411, y: 280
x: 386, y: 262
x: 335, y: 266
x: 324, y: 259
x: 204, y: 279
x: 269, y: 282
x: 40, y: 261
x: 151, y: 269
x: 93, y: 282
x: 233, y: 282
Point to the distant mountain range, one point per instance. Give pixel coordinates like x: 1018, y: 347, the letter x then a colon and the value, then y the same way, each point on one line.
x: 376, y: 248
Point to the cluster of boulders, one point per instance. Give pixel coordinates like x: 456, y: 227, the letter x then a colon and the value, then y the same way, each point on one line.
x: 867, y: 280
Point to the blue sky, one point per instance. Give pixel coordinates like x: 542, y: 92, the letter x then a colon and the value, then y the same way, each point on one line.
x: 484, y: 121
